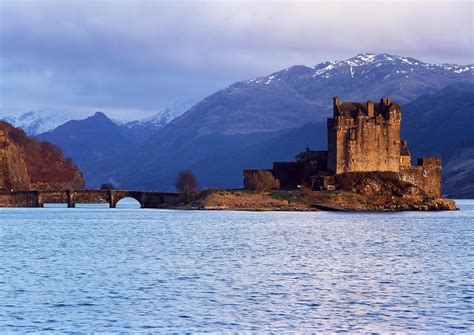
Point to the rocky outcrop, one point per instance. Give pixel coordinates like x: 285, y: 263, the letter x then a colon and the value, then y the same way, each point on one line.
x: 27, y: 164
x: 376, y: 184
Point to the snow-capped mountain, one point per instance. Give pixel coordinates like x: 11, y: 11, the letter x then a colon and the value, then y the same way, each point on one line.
x: 36, y: 122
x: 163, y: 117
x: 140, y: 130
x: 366, y: 66
x: 300, y: 94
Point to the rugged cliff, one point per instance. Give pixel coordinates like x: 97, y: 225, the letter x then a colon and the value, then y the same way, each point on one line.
x: 27, y: 164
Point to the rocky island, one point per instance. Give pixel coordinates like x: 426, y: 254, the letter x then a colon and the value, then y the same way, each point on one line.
x: 368, y: 192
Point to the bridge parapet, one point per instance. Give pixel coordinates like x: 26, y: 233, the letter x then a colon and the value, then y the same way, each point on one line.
x: 71, y: 197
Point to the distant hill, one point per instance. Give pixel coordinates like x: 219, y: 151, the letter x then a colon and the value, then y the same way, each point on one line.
x: 440, y: 124
x: 27, y: 164
x: 95, y: 144
x: 140, y: 130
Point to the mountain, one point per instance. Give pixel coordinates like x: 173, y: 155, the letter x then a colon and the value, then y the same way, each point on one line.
x: 301, y: 94
x: 225, y: 170
x: 36, y: 122
x: 258, y: 110
x: 27, y: 164
x: 440, y: 124
x: 95, y: 144
x: 140, y: 130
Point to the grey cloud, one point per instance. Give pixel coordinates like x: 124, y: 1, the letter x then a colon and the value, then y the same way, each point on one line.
x: 143, y: 55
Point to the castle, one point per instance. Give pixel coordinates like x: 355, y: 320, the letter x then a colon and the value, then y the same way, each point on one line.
x: 362, y: 137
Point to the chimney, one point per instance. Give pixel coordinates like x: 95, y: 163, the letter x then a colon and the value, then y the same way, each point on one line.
x: 370, y: 109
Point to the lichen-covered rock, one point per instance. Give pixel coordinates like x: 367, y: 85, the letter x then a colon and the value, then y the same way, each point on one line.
x: 27, y: 164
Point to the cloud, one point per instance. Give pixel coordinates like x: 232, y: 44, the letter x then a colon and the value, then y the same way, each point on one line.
x: 143, y: 55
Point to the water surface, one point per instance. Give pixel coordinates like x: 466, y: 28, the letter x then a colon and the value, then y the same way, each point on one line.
x: 128, y: 269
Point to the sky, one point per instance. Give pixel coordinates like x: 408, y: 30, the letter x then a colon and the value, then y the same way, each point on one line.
x: 130, y: 59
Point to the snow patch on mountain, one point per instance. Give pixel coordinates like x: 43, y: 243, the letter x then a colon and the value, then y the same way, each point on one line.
x: 160, y: 119
x: 36, y: 122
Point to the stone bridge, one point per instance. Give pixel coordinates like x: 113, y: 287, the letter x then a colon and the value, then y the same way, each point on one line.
x: 73, y: 197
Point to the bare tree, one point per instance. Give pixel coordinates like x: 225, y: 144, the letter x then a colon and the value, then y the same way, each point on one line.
x: 186, y: 183
x: 263, y: 181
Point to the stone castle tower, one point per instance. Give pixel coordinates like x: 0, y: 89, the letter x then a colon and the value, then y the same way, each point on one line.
x: 364, y: 136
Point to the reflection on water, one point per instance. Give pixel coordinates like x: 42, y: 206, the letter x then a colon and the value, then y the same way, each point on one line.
x: 98, y: 269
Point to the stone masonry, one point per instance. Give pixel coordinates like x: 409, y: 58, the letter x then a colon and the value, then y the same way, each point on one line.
x: 364, y: 137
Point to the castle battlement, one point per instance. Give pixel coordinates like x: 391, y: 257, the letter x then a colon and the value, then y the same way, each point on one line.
x: 347, y: 112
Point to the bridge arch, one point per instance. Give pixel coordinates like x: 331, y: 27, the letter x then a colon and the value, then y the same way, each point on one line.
x: 128, y: 203
x: 116, y: 196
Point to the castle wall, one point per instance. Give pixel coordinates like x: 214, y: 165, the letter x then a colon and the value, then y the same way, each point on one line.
x: 358, y: 143
x: 289, y: 174
x: 426, y: 175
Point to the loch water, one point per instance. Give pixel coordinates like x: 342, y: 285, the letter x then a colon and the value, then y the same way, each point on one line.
x: 95, y: 269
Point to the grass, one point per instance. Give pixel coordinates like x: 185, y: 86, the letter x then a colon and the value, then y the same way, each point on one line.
x: 290, y: 196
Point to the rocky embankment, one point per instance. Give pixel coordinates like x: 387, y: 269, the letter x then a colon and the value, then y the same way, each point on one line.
x: 355, y: 192
x: 27, y: 164
x: 307, y: 200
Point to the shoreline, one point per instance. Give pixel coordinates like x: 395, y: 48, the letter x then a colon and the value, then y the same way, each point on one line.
x: 301, y: 200
x: 310, y: 201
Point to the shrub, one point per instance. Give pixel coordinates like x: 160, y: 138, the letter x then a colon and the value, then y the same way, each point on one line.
x: 262, y: 181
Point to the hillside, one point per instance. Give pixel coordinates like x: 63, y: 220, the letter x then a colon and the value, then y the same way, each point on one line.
x: 95, y: 144
x: 441, y: 125
x: 27, y: 164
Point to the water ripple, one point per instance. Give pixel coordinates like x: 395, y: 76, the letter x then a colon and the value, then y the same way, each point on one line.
x: 131, y: 270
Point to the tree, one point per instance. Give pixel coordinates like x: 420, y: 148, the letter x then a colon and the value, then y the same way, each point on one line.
x: 186, y: 183
x: 107, y: 186
x: 262, y: 181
